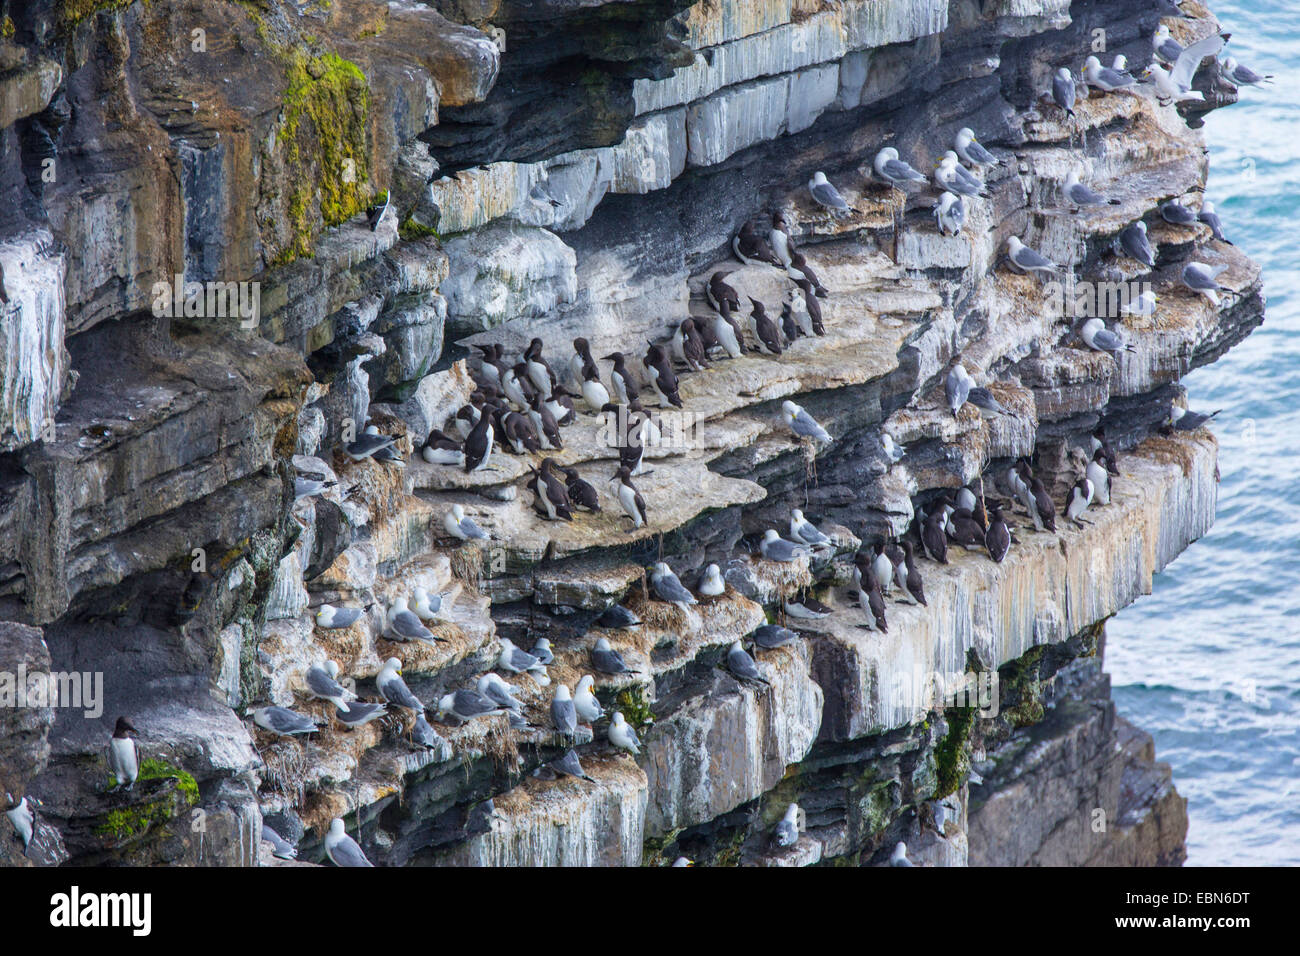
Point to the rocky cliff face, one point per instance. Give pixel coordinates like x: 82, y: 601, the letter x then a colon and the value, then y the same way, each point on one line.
x: 558, y: 169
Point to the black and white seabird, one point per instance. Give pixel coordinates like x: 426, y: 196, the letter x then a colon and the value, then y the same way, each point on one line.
x: 441, y: 449
x: 516, y: 385
x: 539, y: 372
x: 667, y: 586
x: 1100, y: 478
x: 620, y: 379
x: 742, y: 665
x: 659, y: 369
x: 789, y: 326
x: 1079, y: 500
x: 752, y: 249
x: 728, y: 331
x: 1133, y: 240
x: 544, y: 423
x: 478, y: 445
x: 812, y: 307
x: 779, y: 238
x: 911, y: 576
x: 870, y: 597
x: 769, y: 336
x: 124, y: 755
x: 799, y: 262
x: 825, y: 194
x: 581, y: 493
x: 964, y: 530
x: 580, y: 359
x: 806, y: 608
x: 629, y: 497
x: 1063, y: 92
x: 375, y: 214
x: 998, y: 536
x: 560, y: 403
x: 718, y: 292
x: 283, y: 721
x: 594, y: 392
x: 492, y: 366
x: 1098, y: 442
x: 552, y: 494
x: 606, y: 660
x: 933, y: 539
x: 1043, y: 511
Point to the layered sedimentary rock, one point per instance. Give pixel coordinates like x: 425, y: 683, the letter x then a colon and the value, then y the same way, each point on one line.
x: 554, y: 170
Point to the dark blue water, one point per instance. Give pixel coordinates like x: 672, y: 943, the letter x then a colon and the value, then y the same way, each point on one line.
x: 1210, y: 662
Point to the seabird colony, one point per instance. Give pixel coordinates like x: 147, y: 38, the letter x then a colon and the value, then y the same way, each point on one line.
x: 521, y: 408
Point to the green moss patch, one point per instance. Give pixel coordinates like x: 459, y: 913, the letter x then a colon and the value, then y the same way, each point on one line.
x: 952, y: 755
